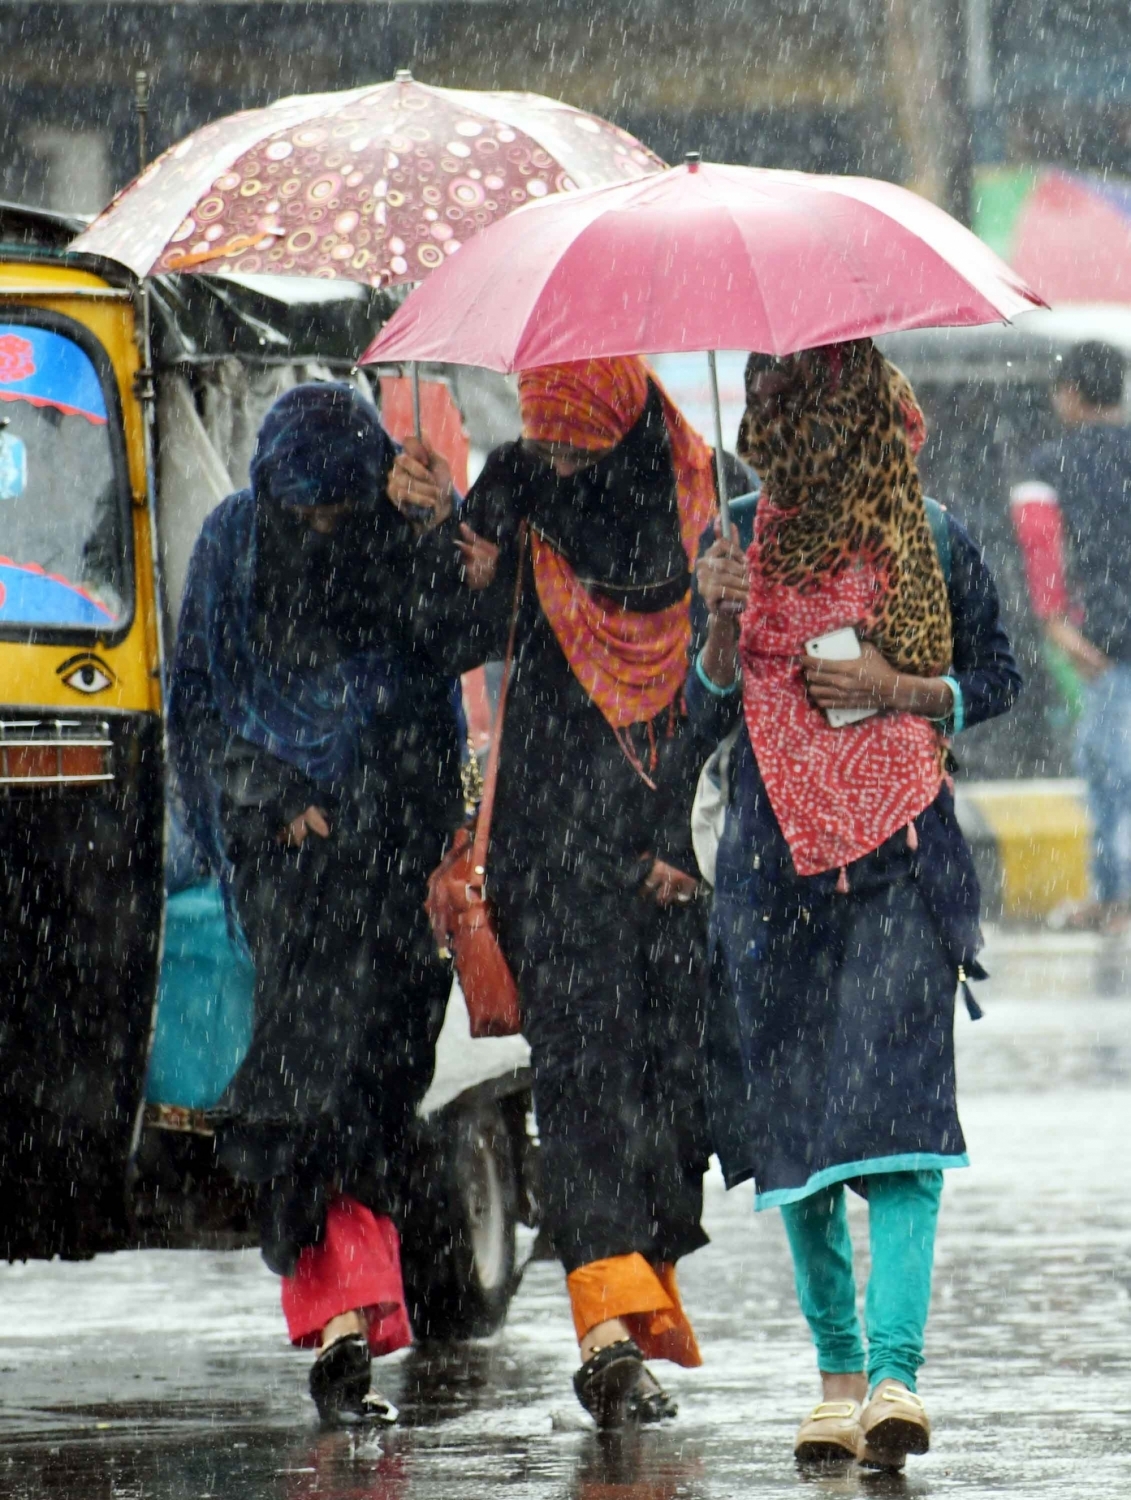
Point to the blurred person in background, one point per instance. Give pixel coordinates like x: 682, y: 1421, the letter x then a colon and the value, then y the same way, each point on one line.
x: 313, y: 733
x: 846, y: 908
x: 1072, y: 516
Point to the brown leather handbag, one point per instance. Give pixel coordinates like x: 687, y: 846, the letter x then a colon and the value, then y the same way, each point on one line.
x: 457, y: 906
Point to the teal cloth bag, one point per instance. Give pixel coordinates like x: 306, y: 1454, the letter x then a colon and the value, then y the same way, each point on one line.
x: 205, y: 1008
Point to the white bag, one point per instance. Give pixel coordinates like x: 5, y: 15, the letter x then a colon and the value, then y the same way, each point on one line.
x: 709, y: 809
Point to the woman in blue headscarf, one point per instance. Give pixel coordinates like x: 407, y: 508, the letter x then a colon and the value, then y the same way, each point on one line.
x: 313, y: 733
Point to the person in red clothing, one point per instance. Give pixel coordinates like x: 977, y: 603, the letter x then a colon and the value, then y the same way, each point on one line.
x: 1072, y: 515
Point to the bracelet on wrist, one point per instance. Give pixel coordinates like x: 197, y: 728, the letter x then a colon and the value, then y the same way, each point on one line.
x: 716, y: 689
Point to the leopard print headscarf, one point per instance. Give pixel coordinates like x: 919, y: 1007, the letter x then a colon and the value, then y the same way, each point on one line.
x: 834, y: 456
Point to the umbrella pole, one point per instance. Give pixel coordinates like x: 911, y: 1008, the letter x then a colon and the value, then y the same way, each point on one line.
x: 414, y: 370
x: 720, y: 470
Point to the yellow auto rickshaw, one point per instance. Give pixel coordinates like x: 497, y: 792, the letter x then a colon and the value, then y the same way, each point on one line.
x: 81, y: 771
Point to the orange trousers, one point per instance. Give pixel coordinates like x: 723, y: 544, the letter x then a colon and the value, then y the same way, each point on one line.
x: 645, y: 1297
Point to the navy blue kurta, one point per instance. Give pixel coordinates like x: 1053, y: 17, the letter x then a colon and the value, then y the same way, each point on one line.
x: 830, y: 1035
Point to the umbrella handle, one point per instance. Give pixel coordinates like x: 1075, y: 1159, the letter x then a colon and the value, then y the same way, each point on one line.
x: 414, y: 376
x: 720, y: 470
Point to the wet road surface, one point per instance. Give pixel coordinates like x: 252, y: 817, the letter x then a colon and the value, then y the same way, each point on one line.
x: 165, y: 1376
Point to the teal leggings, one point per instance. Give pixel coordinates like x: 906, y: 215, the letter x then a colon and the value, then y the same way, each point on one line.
x: 903, y: 1210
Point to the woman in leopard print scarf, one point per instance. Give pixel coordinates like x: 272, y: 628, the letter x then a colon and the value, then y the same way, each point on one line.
x: 846, y: 905
x: 832, y: 446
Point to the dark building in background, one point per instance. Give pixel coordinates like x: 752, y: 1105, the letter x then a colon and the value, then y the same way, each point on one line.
x: 910, y: 89
x: 752, y: 82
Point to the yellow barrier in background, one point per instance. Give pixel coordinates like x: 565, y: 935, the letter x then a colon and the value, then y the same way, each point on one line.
x: 1042, y: 835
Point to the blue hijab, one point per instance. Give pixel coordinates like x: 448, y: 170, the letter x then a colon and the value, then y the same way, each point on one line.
x: 318, y: 445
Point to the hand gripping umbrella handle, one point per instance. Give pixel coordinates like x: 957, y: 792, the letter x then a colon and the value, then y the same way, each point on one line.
x: 414, y: 382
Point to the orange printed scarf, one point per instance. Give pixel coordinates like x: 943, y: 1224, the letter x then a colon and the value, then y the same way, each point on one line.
x: 631, y: 665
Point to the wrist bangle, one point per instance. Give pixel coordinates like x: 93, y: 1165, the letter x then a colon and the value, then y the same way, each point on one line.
x: 957, y: 716
x: 713, y: 687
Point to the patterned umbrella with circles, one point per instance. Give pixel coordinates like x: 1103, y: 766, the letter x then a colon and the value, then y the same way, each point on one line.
x: 378, y: 185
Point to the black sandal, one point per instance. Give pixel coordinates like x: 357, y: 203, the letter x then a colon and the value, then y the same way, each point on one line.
x: 607, y: 1382
x: 339, y: 1383
x: 648, y: 1401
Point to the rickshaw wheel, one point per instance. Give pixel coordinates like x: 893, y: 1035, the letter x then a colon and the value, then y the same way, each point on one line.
x: 458, y: 1245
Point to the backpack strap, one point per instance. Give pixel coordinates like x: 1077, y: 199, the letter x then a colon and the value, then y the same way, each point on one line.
x: 940, y: 531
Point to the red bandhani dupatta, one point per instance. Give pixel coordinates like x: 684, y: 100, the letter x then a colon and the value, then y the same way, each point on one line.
x: 837, y: 793
x: 631, y: 665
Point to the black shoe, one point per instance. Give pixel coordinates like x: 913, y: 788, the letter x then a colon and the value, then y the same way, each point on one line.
x: 607, y: 1383
x: 339, y: 1383
x: 648, y: 1401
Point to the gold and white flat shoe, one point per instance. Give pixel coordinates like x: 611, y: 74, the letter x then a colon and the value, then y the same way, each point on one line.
x: 829, y: 1434
x: 893, y: 1424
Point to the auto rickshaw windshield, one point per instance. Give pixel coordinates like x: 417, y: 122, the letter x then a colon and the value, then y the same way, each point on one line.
x: 63, y: 541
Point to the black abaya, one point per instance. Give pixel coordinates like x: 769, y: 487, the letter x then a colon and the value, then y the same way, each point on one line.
x: 611, y: 986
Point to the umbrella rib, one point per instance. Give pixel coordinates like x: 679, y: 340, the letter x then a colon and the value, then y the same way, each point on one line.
x: 855, y: 191
x: 756, y: 277
x: 892, y: 225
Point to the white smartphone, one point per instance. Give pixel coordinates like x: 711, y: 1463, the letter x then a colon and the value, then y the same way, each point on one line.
x: 839, y: 645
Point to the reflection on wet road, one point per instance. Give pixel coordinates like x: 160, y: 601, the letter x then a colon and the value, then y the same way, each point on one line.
x: 165, y: 1376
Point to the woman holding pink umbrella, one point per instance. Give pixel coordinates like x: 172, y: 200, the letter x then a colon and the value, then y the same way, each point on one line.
x: 846, y: 903
x: 590, y: 863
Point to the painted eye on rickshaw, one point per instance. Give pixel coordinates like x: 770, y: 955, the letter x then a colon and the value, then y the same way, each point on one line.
x: 86, y: 674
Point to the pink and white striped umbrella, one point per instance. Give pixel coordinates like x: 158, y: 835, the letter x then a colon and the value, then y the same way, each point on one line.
x: 377, y: 185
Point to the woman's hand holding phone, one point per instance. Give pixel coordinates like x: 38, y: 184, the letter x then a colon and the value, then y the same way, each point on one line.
x: 869, y: 683
x: 864, y: 681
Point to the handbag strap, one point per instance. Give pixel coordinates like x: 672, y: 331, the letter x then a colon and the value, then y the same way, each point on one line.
x: 487, y: 804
